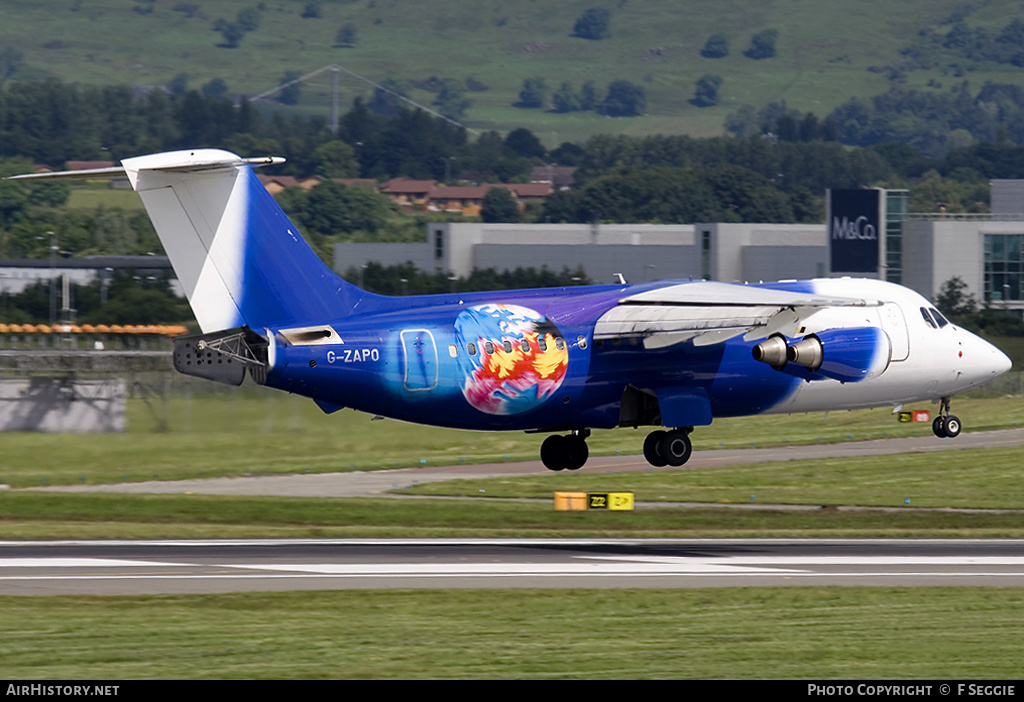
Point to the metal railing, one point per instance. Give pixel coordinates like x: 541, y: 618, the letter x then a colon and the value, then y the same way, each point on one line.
x: 964, y: 217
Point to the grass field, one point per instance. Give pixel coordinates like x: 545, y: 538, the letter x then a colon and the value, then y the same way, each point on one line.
x: 241, y: 433
x: 735, y: 633
x: 774, y: 633
x: 256, y: 430
x: 824, y: 51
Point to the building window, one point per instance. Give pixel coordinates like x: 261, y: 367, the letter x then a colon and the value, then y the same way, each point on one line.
x: 897, y: 207
x: 705, y: 254
x: 1003, y: 266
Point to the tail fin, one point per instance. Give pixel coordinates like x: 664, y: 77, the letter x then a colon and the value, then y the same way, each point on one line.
x: 239, y: 258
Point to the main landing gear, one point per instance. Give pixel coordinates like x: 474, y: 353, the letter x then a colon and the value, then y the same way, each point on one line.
x: 565, y: 452
x: 661, y: 448
x: 668, y: 448
x: 946, y: 425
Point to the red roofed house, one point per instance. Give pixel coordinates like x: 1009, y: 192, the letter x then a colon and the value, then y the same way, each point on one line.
x: 408, y: 192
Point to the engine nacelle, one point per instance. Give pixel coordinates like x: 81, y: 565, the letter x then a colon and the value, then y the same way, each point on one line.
x: 846, y: 355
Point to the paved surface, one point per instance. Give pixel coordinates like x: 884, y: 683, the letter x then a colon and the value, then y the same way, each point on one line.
x: 158, y: 567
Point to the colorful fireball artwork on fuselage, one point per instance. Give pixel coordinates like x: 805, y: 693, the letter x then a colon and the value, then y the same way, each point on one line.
x: 515, y: 358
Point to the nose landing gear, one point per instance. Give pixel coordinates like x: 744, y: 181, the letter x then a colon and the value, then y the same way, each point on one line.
x: 946, y: 425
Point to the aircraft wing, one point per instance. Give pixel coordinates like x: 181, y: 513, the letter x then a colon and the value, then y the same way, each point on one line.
x: 710, y: 312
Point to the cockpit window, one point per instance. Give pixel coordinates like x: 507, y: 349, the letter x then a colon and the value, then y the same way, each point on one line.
x: 928, y: 318
x: 937, y: 316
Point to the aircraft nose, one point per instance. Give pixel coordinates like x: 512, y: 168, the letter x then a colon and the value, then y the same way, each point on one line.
x: 982, y: 360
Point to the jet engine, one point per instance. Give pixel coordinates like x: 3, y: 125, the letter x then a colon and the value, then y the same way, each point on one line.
x: 847, y: 355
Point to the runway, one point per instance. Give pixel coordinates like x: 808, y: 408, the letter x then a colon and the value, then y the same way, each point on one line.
x: 210, y: 566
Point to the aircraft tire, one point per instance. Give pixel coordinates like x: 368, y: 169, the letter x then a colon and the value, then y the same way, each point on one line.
x: 676, y: 447
x: 552, y: 452
x: 575, y: 452
x: 652, y: 449
x: 952, y: 426
x: 939, y: 427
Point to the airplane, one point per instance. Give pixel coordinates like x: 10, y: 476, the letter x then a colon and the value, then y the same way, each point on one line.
x: 671, y: 355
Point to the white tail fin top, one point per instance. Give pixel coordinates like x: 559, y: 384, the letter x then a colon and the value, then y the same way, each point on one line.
x: 198, y: 205
x: 238, y: 258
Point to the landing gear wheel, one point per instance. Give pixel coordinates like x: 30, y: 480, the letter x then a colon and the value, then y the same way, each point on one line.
x: 564, y: 452
x: 652, y: 449
x: 676, y: 447
x: 952, y: 426
x: 575, y: 452
x: 946, y: 425
x: 551, y: 452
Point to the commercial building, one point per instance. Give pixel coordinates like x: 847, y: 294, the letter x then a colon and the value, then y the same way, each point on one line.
x: 639, y: 252
x: 868, y: 233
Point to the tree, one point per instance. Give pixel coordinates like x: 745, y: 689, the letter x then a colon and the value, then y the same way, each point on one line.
x: 706, y: 94
x: 762, y: 45
x: 216, y: 89
x: 332, y: 208
x: 717, y: 46
x: 592, y: 24
x: 624, y: 100
x: 311, y: 10
x: 588, y: 96
x: 450, y: 100
x: 178, y: 85
x: 533, y: 94
x: 387, y: 98
x: 248, y: 19
x: 290, y: 94
x: 499, y: 206
x: 230, y: 31
x: 11, y: 61
x: 347, y: 35
x: 523, y: 142
x: 564, y: 99
x: 335, y: 159
x: 954, y: 299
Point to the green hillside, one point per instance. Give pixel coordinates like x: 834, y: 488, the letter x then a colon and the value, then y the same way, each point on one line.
x: 826, y: 51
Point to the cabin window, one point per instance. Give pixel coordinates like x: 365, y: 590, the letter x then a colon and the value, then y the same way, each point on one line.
x: 508, y: 346
x: 525, y: 346
x: 542, y: 343
x: 489, y: 347
x: 559, y: 343
x: 471, y: 348
x: 453, y: 350
x: 581, y: 341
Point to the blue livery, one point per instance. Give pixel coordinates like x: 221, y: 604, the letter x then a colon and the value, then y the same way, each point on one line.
x: 671, y: 355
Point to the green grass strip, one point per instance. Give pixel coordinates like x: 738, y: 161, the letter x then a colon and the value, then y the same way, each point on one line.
x: 728, y: 633
x: 77, y: 516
